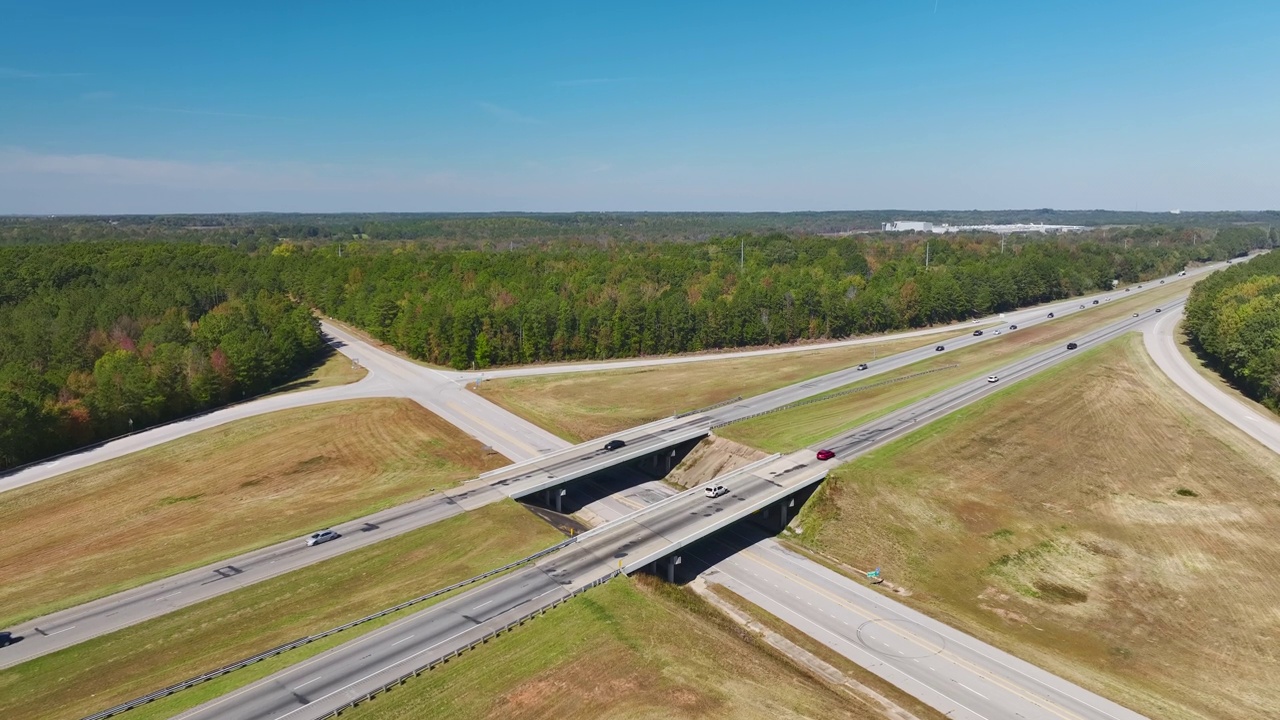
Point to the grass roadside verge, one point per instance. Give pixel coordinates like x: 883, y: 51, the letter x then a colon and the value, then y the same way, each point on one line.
x: 219, y: 493
x: 131, y: 662
x: 632, y: 648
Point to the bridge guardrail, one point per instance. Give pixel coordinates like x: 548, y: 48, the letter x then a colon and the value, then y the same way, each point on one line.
x: 842, y: 393
x: 239, y: 664
x: 470, y: 646
x: 710, y: 407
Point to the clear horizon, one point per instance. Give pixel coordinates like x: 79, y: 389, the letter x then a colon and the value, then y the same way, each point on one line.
x: 150, y: 108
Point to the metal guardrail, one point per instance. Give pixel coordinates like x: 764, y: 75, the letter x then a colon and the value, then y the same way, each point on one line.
x: 712, y: 406
x: 822, y: 398
x: 433, y: 664
x: 239, y: 664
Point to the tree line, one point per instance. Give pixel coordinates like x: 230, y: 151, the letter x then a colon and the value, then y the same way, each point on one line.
x: 1233, y: 317
x: 467, y: 308
x: 97, y: 340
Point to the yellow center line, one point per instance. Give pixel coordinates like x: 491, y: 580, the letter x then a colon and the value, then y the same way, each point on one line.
x: 924, y: 644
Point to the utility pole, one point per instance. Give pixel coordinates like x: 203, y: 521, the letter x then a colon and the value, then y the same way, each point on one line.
x: 926, y: 254
x: 742, y: 256
x: 1002, y: 239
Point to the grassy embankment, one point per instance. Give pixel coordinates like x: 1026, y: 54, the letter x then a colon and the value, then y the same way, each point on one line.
x: 110, y: 669
x: 629, y: 649
x: 219, y: 493
x: 331, y: 369
x: 1203, y: 368
x: 1094, y: 520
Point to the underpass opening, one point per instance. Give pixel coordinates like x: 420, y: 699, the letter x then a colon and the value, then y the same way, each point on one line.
x: 703, y: 554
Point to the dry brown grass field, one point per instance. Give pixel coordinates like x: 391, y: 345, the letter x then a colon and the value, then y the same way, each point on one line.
x: 631, y: 649
x: 219, y: 493
x: 333, y: 369
x: 582, y: 406
x: 1094, y: 520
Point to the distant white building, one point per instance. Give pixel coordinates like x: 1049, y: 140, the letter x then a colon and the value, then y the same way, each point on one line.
x: 928, y: 227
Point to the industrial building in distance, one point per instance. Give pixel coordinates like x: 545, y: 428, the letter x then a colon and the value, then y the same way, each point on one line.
x: 939, y: 229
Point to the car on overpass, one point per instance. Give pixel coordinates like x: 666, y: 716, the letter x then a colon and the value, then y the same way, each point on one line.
x: 6, y: 638
x: 825, y: 454
x: 322, y: 536
x: 615, y: 444
x: 715, y: 491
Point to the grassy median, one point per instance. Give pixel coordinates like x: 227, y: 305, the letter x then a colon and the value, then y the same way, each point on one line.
x: 108, y: 670
x: 634, y: 648
x: 219, y: 493
x: 1094, y: 520
x: 791, y: 429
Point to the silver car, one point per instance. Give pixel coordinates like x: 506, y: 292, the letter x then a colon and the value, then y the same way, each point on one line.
x: 322, y: 536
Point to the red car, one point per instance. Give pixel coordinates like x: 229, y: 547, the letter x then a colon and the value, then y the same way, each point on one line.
x: 825, y: 454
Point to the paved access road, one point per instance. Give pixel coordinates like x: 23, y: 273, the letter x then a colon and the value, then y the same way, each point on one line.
x: 631, y: 542
x: 1163, y: 348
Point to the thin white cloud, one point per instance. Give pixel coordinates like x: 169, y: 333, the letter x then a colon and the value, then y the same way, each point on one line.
x: 507, y: 114
x: 19, y: 74
x: 213, y: 113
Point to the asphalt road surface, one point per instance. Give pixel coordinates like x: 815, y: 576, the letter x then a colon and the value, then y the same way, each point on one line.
x: 1161, y: 344
x: 999, y: 686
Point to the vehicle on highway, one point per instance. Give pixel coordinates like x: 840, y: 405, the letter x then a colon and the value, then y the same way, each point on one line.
x: 1157, y: 309
x: 1095, y: 302
x: 1135, y: 314
x: 1126, y: 289
x: 1182, y: 274
x: 1139, y: 287
x: 1013, y: 327
x: 1161, y: 282
x: 862, y: 366
x: 1050, y: 314
x: 977, y: 333
x: 995, y: 332
x: 825, y: 454
x: 1081, y: 307
x: 6, y: 638
x: 992, y: 378
x: 1072, y: 346
x: 615, y: 444
x: 322, y: 536
x: 939, y: 348
x: 714, y: 491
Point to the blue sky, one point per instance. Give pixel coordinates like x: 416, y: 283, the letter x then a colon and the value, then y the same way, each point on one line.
x: 423, y: 106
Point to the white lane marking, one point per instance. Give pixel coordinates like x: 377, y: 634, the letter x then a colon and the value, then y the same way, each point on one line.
x: 299, y: 687
x: 55, y: 632
x: 486, y: 602
x: 166, y: 597
x: 975, y: 692
x: 403, y: 639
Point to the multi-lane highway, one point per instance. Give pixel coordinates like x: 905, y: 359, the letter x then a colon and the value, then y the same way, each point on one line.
x: 890, y: 639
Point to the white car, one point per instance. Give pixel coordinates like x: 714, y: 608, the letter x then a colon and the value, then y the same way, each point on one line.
x: 322, y: 536
x: 996, y: 332
x: 715, y: 491
x: 992, y: 378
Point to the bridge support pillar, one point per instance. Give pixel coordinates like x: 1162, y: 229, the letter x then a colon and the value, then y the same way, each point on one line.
x: 672, y: 562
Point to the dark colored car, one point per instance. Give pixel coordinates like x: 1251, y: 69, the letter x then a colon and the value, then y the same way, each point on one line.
x: 939, y: 348
x: 977, y: 333
x: 1050, y: 314
x: 615, y: 444
x: 1161, y: 282
x: 1126, y: 289
x: 6, y: 638
x: 1072, y: 346
x: 862, y: 366
x: 825, y: 454
x: 1157, y: 309
x: 1013, y: 327
x: 1095, y: 302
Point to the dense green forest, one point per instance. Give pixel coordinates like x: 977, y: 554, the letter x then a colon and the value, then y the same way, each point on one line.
x: 465, y: 308
x: 104, y: 336
x: 96, y: 340
x: 1233, y: 317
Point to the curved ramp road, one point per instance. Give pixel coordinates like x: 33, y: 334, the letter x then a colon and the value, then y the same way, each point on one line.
x: 1163, y: 348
